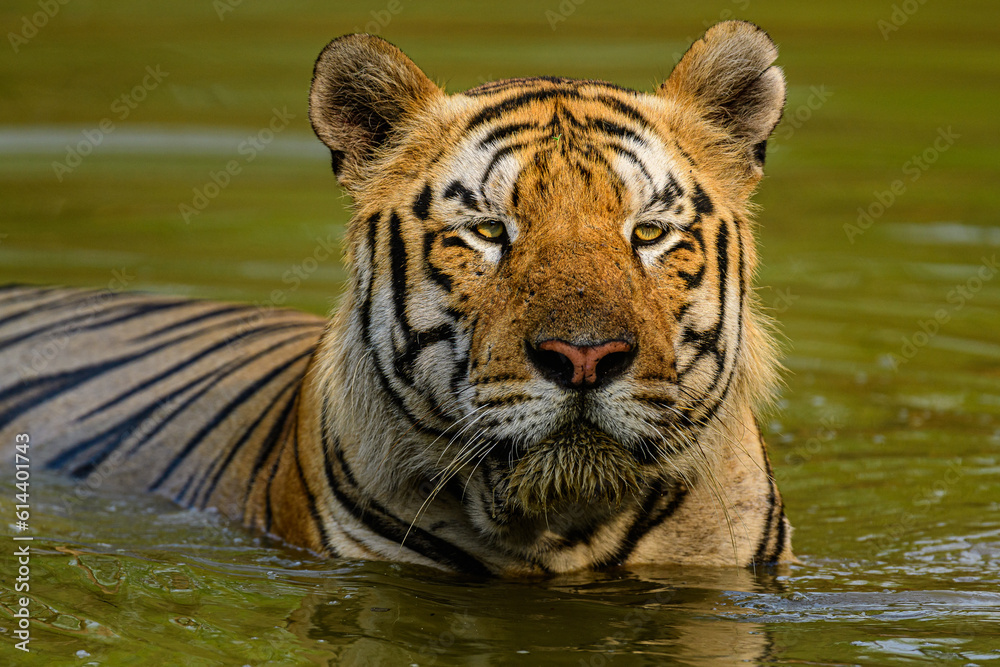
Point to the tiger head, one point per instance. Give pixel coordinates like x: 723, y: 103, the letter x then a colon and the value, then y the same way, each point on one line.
x: 550, y: 310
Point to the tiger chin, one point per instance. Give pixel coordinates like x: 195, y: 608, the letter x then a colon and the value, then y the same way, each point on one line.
x: 549, y: 356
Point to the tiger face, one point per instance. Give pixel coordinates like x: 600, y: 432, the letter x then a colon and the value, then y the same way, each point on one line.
x: 550, y: 314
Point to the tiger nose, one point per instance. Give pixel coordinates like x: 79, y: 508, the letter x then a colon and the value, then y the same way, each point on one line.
x: 581, y: 366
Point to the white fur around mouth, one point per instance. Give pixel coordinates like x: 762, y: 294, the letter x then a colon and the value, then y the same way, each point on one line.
x: 577, y: 464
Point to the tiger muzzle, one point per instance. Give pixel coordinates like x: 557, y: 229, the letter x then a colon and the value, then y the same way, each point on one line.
x: 579, y: 464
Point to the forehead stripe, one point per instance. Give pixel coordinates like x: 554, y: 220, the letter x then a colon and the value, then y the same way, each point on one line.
x: 629, y: 112
x: 497, y: 157
x: 617, y: 130
x: 505, y: 131
x: 511, y: 103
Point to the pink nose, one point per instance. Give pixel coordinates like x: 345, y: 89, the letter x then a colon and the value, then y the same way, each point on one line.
x: 580, y: 365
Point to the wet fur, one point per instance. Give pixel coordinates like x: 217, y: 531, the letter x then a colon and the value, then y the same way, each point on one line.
x: 418, y: 428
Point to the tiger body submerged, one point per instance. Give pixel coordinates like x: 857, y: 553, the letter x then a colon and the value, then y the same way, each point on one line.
x: 548, y: 357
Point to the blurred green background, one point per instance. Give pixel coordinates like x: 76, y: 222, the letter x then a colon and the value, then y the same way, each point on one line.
x: 878, y: 214
x: 859, y: 106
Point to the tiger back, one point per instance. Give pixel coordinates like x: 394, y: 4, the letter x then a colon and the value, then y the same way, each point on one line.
x: 548, y: 357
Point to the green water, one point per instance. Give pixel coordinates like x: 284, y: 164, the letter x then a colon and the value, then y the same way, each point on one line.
x: 886, y: 440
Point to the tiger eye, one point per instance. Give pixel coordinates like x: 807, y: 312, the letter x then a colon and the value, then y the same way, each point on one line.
x: 491, y: 230
x: 646, y: 233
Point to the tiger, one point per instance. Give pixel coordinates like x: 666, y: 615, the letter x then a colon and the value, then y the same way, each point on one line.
x: 548, y: 356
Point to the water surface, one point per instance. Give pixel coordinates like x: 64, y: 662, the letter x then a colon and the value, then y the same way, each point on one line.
x: 885, y: 439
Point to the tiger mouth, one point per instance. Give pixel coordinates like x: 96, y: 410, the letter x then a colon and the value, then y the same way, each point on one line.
x: 578, y: 464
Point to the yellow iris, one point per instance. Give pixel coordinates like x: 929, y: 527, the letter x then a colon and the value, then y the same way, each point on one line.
x: 491, y: 230
x: 647, y: 233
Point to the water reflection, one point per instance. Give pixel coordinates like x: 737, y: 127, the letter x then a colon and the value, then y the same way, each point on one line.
x: 653, y: 614
x: 121, y: 578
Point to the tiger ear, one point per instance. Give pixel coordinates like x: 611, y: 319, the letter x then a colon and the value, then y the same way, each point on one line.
x: 728, y: 75
x: 363, y: 91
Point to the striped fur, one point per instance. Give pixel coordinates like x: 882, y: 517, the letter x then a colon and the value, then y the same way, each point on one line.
x: 450, y: 414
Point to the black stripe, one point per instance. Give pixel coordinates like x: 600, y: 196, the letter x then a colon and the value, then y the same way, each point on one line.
x: 779, y: 540
x: 646, y: 520
x: 222, y: 414
x: 708, y: 341
x: 616, y: 130
x: 669, y: 254
x: 194, y: 319
x: 702, y: 202
x: 219, y: 465
x: 183, y: 365
x: 267, y: 446
x: 521, y: 83
x: 634, y: 159
x: 310, y: 498
x: 365, y: 307
x: 397, y: 266
x: 108, y: 440
x: 17, y: 292
x: 269, y: 503
x: 456, y: 190
x: 684, y: 154
x: 34, y: 309
x: 56, y: 384
x: 628, y: 111
x: 421, y: 340
x: 509, y: 104
x: 760, y: 555
x: 76, y: 323
x: 505, y: 131
x: 671, y: 192
x: 497, y: 157
x: 436, y: 274
x: 737, y: 346
x: 693, y: 280
x: 454, y: 241
x: 372, y: 515
x: 598, y: 158
x: 112, y: 437
x: 422, y: 205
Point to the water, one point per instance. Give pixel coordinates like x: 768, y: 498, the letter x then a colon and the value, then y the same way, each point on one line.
x: 885, y: 440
